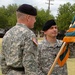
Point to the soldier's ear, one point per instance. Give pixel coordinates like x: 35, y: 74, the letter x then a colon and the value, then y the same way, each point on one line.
x: 28, y: 17
x: 45, y: 32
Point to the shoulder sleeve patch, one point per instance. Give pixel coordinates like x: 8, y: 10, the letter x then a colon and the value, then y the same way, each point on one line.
x: 35, y: 41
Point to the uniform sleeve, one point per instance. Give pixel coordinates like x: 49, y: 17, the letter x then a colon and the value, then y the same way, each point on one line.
x: 30, y: 57
x: 12, y: 53
x: 40, y: 72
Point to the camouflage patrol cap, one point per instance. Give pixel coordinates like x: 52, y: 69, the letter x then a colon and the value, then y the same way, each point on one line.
x: 48, y: 24
x: 27, y: 9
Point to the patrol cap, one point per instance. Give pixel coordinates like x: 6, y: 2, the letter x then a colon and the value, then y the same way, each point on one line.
x: 27, y: 9
x: 48, y: 24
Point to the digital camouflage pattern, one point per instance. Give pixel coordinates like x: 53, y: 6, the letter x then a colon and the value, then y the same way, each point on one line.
x: 19, y: 50
x: 46, y: 56
x: 72, y: 49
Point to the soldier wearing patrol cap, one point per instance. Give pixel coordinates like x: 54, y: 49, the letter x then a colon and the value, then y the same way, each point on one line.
x: 48, y: 50
x: 19, y: 45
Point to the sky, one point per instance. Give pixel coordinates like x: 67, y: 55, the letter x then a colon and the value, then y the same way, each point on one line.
x: 40, y: 4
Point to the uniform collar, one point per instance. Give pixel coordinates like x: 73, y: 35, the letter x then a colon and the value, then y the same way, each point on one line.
x: 57, y: 44
x: 22, y: 25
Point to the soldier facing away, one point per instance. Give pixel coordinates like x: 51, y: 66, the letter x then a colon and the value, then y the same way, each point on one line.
x: 48, y: 49
x: 19, y: 48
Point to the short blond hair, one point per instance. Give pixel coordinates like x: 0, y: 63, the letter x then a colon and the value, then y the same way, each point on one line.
x: 20, y: 15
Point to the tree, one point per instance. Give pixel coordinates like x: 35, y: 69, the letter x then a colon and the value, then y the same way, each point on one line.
x: 41, y: 18
x: 11, y: 14
x: 3, y: 17
x: 8, y: 17
x: 65, y: 15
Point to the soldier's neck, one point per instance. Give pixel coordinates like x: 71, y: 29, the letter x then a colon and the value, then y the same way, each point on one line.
x: 51, y: 39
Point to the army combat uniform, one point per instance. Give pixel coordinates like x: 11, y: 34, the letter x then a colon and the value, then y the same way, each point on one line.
x: 19, y: 51
x: 72, y: 49
x: 46, y: 56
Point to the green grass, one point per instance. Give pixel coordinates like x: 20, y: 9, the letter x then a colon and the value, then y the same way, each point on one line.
x: 0, y: 72
x: 70, y: 62
x: 71, y: 66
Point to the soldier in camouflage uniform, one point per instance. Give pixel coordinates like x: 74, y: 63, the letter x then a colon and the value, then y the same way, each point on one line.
x: 48, y: 50
x: 19, y: 46
x: 72, y: 50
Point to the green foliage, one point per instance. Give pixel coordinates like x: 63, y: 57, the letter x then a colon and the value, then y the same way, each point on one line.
x: 41, y: 18
x: 8, y: 16
x: 65, y: 14
x: 11, y: 13
x: 3, y: 17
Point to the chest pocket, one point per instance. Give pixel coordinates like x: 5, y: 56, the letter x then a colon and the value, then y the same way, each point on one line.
x: 49, y: 53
